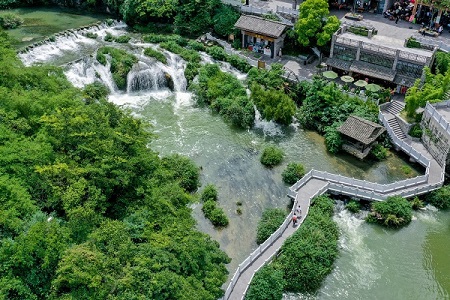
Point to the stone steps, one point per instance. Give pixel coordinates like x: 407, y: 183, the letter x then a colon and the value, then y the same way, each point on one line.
x: 395, y: 107
x: 393, y: 123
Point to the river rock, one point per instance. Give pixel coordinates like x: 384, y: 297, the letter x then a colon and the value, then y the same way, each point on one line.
x: 27, y: 39
x: 170, y: 83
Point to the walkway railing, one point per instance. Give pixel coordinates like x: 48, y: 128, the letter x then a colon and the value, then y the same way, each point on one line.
x: 288, y: 11
x: 437, y: 116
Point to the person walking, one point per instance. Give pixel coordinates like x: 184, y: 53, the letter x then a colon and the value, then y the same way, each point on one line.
x: 396, y: 19
x: 294, y: 219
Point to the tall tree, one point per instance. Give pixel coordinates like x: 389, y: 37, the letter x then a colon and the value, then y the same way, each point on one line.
x: 315, y: 26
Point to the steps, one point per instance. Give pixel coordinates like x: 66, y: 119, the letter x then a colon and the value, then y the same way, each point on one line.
x: 395, y: 107
x: 393, y: 123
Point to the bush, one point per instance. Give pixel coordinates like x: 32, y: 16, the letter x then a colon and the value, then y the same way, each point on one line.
x: 416, y: 131
x: 191, y: 71
x: 353, y: 206
x: 217, y: 53
x: 150, y: 52
x: 271, y: 219
x: 197, y: 46
x: 186, y: 54
x: 440, y: 198
x: 214, y: 214
x: 209, y: 193
x: 160, y: 38
x: 379, y: 152
x: 10, y: 21
x: 333, y: 139
x: 416, y: 203
x: 224, y: 20
x: 395, y: 211
x: 123, y: 39
x: 271, y: 156
x: 121, y: 64
x: 307, y: 256
x: 91, y: 35
x: 413, y: 43
x: 268, y: 283
x: 239, y: 63
x: 108, y: 37
x: 293, y: 173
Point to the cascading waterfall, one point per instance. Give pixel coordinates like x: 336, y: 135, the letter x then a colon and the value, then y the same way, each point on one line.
x: 145, y: 78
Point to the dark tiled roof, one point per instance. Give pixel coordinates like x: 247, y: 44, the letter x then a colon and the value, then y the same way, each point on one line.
x: 361, y: 129
x: 404, y: 80
x: 260, y: 26
x: 339, y: 63
x: 373, y: 70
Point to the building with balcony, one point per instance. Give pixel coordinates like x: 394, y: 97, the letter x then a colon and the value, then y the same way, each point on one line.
x: 373, y: 56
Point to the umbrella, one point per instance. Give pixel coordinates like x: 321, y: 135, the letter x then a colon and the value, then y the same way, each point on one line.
x: 330, y: 74
x: 361, y: 83
x: 372, y: 87
x: 347, y: 78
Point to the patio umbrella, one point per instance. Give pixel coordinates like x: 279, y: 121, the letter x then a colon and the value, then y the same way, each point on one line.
x: 347, y: 78
x: 361, y: 83
x: 372, y: 87
x: 330, y: 74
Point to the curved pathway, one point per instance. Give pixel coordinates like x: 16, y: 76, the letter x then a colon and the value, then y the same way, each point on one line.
x: 315, y: 183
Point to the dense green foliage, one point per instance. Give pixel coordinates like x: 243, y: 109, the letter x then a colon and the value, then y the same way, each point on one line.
x: 123, y: 39
x: 209, y: 193
x: 195, y: 17
x: 150, y: 52
x: 353, y: 206
x: 416, y: 131
x: 325, y: 107
x: 379, y: 152
x: 442, y: 62
x: 293, y: 173
x: 267, y: 284
x: 271, y: 156
x: 271, y: 219
x: 432, y: 90
x: 308, y: 255
x: 270, y: 79
x: 225, y: 94
x: 395, y: 211
x: 10, y: 21
x: 219, y: 53
x: 87, y: 210
x: 186, y: 54
x: 416, y: 203
x: 315, y: 26
x: 121, y: 64
x: 224, y: 20
x: 215, y: 214
x: 440, y: 198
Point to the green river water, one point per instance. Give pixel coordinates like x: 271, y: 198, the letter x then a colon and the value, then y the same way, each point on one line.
x: 374, y: 263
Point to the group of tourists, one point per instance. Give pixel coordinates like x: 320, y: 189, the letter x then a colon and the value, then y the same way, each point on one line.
x: 297, y: 215
x: 400, y: 10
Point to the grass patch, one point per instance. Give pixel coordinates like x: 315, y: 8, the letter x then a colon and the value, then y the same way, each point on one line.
x: 150, y: 52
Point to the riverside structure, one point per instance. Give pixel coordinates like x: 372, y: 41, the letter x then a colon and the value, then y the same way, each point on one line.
x: 315, y: 183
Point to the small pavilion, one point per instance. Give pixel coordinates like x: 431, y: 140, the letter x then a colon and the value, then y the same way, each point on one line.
x: 260, y: 35
x: 359, y: 135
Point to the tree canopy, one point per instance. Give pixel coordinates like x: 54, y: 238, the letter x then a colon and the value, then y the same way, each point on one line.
x: 315, y: 26
x: 87, y: 210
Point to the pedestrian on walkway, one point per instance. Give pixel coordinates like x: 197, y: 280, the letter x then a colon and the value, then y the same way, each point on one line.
x: 294, y: 219
x: 396, y: 19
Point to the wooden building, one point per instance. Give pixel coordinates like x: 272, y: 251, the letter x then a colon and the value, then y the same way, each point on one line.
x: 260, y: 35
x: 359, y: 135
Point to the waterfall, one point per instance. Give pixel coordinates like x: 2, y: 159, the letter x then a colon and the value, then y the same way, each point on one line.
x: 175, y: 68
x: 145, y: 78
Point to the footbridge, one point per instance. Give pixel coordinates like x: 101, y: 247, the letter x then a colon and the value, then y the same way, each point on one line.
x: 315, y: 183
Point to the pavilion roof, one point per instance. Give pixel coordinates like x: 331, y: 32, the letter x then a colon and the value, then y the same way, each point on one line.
x: 361, y: 129
x: 260, y: 26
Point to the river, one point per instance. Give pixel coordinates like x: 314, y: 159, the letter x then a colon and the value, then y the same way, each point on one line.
x: 375, y: 263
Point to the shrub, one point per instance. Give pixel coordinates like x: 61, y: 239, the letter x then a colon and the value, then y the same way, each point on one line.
x: 307, y: 256
x: 121, y: 64
x: 379, y: 152
x: 413, y: 43
x: 197, y: 46
x: 150, y: 52
x: 214, y: 214
x: 239, y: 63
x: 293, y: 173
x: 108, y: 37
x: 191, y: 71
x: 393, y: 212
x: 440, y: 198
x: 416, y: 131
x: 224, y: 20
x: 217, y: 53
x: 353, y: 206
x: 209, y: 193
x: 123, y: 39
x: 10, y: 21
x: 333, y: 139
x: 268, y: 283
x: 186, y: 54
x: 271, y: 156
x: 91, y: 35
x: 416, y: 203
x: 160, y: 38
x: 271, y: 219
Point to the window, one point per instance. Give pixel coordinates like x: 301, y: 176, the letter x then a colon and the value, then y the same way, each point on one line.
x: 409, y: 69
x: 344, y: 53
x: 377, y: 59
